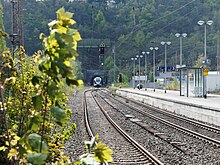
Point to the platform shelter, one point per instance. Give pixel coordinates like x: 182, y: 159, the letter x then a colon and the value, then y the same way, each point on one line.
x: 192, y: 81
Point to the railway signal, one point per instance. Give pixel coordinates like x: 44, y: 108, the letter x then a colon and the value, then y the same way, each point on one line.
x: 102, y: 48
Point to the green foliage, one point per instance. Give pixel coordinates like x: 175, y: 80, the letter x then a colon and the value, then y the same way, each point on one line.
x: 174, y: 85
x: 33, y: 92
x: 199, y: 60
x: 97, y: 153
x: 123, y: 85
x: 139, y: 39
x: 133, y: 26
x: 100, y: 19
x: 34, y: 141
x: 34, y: 98
x: 59, y: 114
x: 36, y: 158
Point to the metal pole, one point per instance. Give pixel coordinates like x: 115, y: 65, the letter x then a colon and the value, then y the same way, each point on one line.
x: 134, y: 71
x: 205, y: 43
x: 205, y: 61
x: 114, y: 62
x: 154, y: 68
x: 134, y: 75
x: 165, y: 68
x: 181, y: 52
x: 217, y: 57
x: 145, y: 68
x: 187, y: 84
x: 139, y: 73
x: 180, y: 82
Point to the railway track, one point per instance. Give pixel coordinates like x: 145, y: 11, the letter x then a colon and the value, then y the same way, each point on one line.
x: 182, y: 139
x: 126, y: 149
x: 198, y: 130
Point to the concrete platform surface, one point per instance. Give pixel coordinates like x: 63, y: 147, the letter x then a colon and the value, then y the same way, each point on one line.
x: 212, y: 101
x: 199, y: 108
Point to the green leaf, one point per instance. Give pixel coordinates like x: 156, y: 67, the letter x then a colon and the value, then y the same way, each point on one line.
x: 36, y: 158
x: 34, y: 123
x: 34, y: 140
x: 37, y: 101
x: 36, y: 80
x: 65, y: 17
x: 67, y: 63
x: 71, y: 82
x: 34, y: 127
x: 21, y: 150
x: 59, y: 114
x: 46, y: 66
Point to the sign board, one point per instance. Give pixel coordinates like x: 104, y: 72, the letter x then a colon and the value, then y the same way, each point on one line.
x: 169, y: 68
x: 205, y: 72
x: 102, y: 44
x: 142, y: 78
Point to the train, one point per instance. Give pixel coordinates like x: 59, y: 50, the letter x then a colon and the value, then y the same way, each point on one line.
x: 97, y: 82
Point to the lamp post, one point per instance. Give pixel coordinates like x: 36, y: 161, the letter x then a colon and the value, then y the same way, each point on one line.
x: 178, y: 35
x: 133, y: 59
x: 113, y: 51
x: 165, y: 79
x: 205, y: 57
x: 139, y: 74
x: 145, y: 68
x: 154, y: 51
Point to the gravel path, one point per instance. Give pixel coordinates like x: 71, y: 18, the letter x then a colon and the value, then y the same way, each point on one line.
x: 75, y: 147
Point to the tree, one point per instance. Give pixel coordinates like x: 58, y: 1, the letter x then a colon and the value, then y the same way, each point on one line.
x: 100, y: 19
x: 139, y: 39
x: 2, y: 31
x: 130, y: 25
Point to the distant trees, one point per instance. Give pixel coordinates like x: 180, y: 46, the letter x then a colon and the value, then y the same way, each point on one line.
x: 132, y: 26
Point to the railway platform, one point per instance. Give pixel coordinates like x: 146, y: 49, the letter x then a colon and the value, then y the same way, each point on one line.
x: 199, y: 108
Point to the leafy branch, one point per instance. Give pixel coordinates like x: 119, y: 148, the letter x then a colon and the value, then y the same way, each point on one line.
x: 33, y: 112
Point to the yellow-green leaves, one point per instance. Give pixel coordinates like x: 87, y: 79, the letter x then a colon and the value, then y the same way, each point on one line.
x: 12, y: 153
x: 11, y: 80
x: 103, y: 153
x: 97, y: 153
x: 37, y: 102
x: 3, y: 148
x: 42, y: 36
x: 65, y: 17
x: 60, y: 48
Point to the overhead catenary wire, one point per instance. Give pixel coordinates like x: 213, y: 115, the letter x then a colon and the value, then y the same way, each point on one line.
x: 137, y: 26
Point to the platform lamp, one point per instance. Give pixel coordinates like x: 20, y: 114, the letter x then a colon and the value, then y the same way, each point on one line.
x: 139, y: 74
x: 154, y: 49
x: 165, y: 68
x: 134, y: 59
x: 145, y: 68
x: 178, y: 35
x: 204, y: 62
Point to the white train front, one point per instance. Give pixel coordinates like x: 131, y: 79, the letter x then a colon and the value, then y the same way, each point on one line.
x: 97, y: 82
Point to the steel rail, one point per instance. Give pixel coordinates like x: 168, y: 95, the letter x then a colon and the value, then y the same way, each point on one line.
x: 182, y: 129
x: 84, y: 106
x: 129, y: 138
x: 205, y: 126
